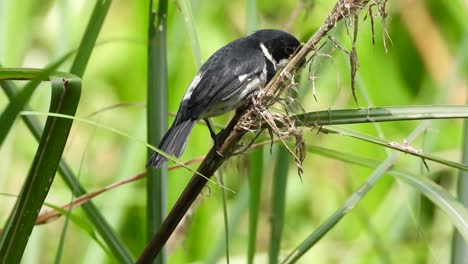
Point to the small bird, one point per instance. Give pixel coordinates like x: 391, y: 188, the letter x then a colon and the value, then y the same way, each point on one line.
x: 225, y: 82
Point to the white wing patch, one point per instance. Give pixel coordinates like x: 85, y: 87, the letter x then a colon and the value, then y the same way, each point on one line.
x: 242, y: 77
x: 192, y: 86
x: 267, y: 55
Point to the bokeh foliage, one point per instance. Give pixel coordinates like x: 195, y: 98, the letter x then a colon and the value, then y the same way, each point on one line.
x: 393, y: 223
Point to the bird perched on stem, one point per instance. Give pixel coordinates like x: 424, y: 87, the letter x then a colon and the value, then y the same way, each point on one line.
x: 225, y: 82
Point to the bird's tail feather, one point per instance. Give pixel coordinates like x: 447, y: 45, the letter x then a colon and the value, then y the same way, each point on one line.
x: 173, y: 142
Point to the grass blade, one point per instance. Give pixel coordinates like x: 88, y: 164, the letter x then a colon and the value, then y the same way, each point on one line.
x: 68, y: 213
x: 156, y: 186
x: 457, y: 213
x: 454, y: 209
x: 118, y: 249
x: 65, y: 98
x: 89, y: 37
x: 236, y: 217
x: 186, y: 11
x: 350, y: 203
x: 225, y: 216
x: 256, y: 171
x: 406, y: 148
x: 256, y: 161
x: 251, y: 16
x: 87, y: 44
x: 459, y: 243
x: 381, y: 114
x: 11, y: 112
x: 278, y: 203
x: 74, y: 219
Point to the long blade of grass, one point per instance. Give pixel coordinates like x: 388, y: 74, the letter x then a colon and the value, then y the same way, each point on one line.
x: 404, y: 147
x: 118, y: 249
x: 65, y: 98
x: 236, y: 217
x: 225, y: 216
x: 156, y: 186
x: 75, y: 220
x: 16, y: 21
x: 186, y: 11
x: 458, y: 214
x: 87, y: 43
x: 251, y: 16
x: 459, y: 241
x: 11, y: 112
x: 256, y: 171
x: 68, y: 212
x: 278, y: 203
x: 456, y: 211
x: 381, y: 114
x: 350, y: 203
x: 256, y: 160
x: 89, y: 37
x: 459, y: 250
x: 458, y: 112
x: 93, y: 123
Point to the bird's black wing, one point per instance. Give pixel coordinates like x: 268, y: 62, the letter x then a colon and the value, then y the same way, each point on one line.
x: 222, y: 80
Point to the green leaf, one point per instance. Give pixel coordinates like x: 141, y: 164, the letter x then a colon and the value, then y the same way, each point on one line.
x: 225, y: 215
x: 454, y: 209
x: 457, y: 213
x: 459, y: 241
x: 156, y: 185
x: 240, y: 205
x: 381, y: 114
x: 89, y: 38
x: 84, y: 51
x: 11, y: 112
x: 186, y: 11
x: 119, y: 250
x: 75, y: 219
x: 278, y: 203
x: 403, y: 147
x: 350, y: 203
x: 87, y: 44
x: 65, y: 98
x: 256, y: 171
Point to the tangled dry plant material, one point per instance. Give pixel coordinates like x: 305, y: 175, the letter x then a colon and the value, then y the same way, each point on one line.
x: 259, y: 115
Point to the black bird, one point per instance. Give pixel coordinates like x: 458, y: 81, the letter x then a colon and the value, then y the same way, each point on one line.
x: 225, y: 82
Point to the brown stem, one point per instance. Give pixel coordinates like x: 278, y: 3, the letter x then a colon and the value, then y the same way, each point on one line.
x: 213, y: 160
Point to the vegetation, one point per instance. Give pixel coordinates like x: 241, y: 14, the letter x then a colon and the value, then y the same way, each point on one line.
x: 348, y: 187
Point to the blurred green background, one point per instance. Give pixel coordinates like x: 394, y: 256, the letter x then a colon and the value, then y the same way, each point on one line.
x: 425, y: 63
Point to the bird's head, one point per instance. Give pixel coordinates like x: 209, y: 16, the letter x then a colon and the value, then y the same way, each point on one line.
x: 281, y: 45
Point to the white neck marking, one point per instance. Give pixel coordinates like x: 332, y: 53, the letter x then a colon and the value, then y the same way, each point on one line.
x: 268, y: 55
